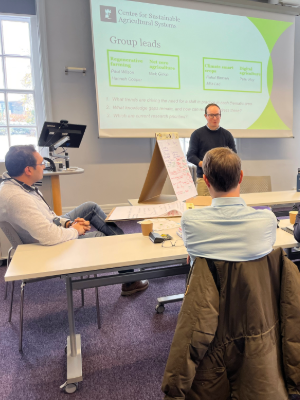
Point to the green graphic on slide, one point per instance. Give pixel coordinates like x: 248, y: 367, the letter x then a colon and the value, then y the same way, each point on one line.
x: 269, y: 119
x: 270, y: 76
x: 270, y: 31
x: 134, y: 69
x: 232, y: 75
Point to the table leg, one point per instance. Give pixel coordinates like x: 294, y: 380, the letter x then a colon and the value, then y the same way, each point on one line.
x: 56, y: 195
x: 74, y: 359
x: 71, y: 317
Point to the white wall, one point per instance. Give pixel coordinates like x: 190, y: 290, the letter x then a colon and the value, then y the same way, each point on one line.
x: 115, y: 169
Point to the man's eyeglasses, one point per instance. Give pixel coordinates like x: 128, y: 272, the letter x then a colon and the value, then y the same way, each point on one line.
x: 168, y: 243
x: 213, y: 115
x: 42, y: 163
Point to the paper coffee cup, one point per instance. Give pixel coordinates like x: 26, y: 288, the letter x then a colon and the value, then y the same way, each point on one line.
x: 147, y: 227
x: 293, y: 215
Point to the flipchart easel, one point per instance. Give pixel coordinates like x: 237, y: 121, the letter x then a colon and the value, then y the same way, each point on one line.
x: 157, y: 174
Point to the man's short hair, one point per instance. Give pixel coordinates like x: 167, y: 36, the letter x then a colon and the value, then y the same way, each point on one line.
x: 210, y: 105
x: 18, y: 158
x: 222, y: 168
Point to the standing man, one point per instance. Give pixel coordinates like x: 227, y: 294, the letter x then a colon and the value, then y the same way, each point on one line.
x: 208, y: 137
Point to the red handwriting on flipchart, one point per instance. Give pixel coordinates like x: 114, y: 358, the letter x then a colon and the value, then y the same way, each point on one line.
x: 176, y: 165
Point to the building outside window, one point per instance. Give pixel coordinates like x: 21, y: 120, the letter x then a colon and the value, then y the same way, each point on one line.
x: 21, y: 111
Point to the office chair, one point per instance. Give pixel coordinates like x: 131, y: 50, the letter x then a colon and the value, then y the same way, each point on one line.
x: 193, y: 172
x: 256, y: 184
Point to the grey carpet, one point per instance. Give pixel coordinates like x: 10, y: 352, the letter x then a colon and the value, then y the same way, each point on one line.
x: 125, y: 359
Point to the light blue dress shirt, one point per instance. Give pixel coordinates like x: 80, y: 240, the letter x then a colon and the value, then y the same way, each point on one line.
x: 228, y: 230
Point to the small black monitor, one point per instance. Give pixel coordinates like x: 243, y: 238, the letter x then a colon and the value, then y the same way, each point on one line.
x: 53, y: 132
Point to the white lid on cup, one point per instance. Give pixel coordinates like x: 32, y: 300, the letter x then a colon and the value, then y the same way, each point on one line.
x: 146, y: 221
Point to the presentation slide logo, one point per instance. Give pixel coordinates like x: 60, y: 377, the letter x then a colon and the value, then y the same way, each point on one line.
x: 108, y: 14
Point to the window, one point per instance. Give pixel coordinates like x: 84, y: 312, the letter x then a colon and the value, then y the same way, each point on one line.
x: 185, y: 145
x: 20, y: 92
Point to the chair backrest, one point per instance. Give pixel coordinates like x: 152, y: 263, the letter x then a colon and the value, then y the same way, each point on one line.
x: 11, y: 234
x: 256, y: 184
x: 193, y: 171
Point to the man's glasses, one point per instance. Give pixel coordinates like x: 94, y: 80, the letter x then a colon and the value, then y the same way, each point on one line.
x: 168, y: 243
x: 43, y: 163
x: 214, y: 115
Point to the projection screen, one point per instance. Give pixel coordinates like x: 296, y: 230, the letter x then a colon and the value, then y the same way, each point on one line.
x: 157, y: 66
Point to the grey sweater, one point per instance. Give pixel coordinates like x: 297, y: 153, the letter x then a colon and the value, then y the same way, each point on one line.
x: 30, y: 216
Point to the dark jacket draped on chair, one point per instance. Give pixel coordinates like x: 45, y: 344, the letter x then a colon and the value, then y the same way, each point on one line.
x: 238, y: 332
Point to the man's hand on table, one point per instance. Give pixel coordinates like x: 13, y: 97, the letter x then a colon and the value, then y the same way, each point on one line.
x: 80, y: 224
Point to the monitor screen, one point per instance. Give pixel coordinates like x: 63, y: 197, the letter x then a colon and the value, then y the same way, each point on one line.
x: 52, y: 132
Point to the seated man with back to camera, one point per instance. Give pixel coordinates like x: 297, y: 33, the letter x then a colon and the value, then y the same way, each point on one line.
x: 206, y: 363
x: 229, y: 229
x: 24, y: 207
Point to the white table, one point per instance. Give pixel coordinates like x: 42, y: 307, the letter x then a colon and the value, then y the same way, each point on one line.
x: 271, y: 198
x: 258, y: 199
x: 104, y: 254
x: 96, y: 255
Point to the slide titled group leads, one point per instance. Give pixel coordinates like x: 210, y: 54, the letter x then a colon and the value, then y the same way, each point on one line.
x: 143, y: 70
x: 232, y: 75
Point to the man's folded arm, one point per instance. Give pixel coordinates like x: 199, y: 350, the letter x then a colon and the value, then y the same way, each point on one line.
x: 193, y: 151
x: 231, y: 144
x: 32, y: 220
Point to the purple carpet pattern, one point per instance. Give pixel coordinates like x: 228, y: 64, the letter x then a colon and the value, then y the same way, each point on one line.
x: 123, y: 360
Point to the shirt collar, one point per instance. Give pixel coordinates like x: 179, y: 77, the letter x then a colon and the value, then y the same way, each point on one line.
x: 228, y: 201
x: 213, y: 130
x: 6, y: 177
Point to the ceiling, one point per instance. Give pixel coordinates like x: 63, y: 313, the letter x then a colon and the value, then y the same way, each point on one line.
x: 262, y: 5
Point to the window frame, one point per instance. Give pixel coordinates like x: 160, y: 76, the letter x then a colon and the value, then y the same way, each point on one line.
x: 36, y: 90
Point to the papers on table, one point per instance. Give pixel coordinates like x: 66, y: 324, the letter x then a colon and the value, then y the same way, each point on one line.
x: 174, y: 209
x: 161, y: 224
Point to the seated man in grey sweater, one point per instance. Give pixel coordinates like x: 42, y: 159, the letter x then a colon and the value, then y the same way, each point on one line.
x: 24, y: 207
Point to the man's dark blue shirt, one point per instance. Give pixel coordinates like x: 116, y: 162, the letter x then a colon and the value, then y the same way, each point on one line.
x: 204, y: 139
